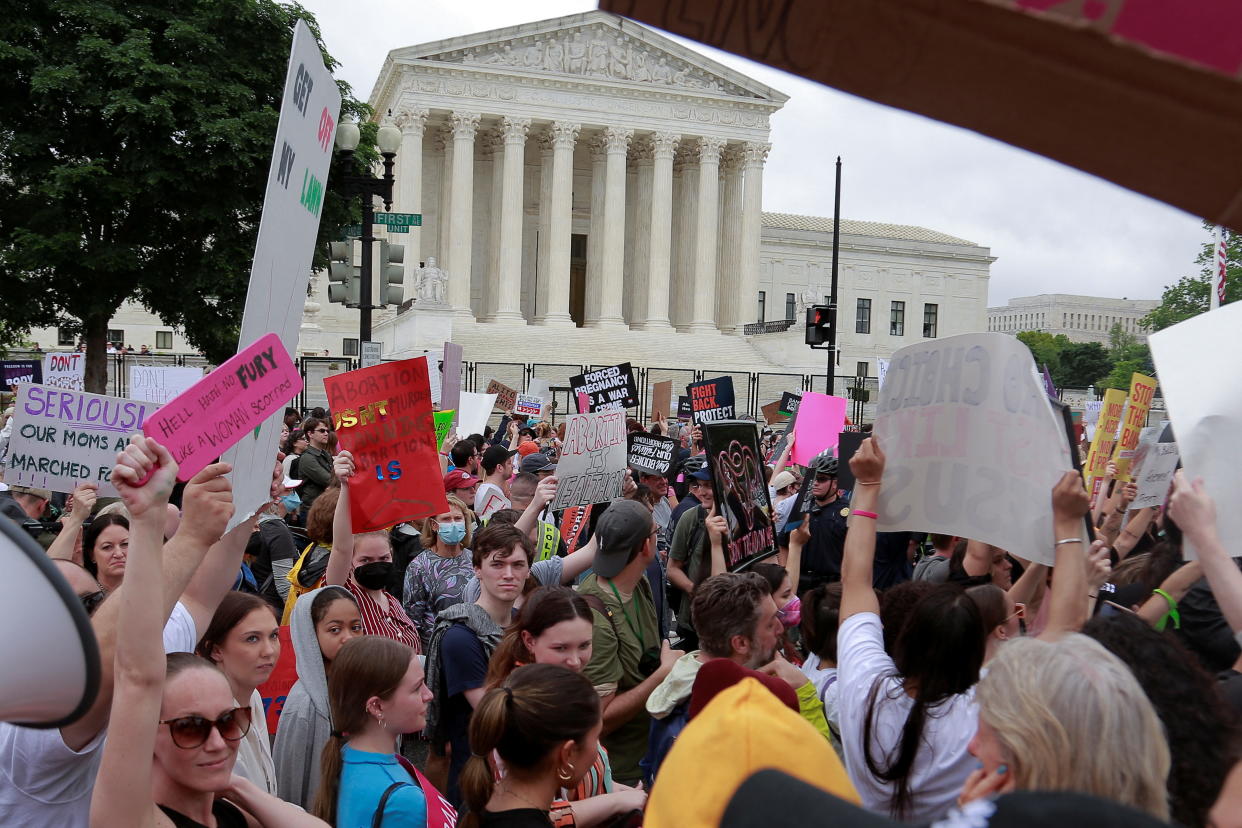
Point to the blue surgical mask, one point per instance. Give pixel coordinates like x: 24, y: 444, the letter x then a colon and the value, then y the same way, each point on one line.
x: 452, y: 533
x: 291, y: 501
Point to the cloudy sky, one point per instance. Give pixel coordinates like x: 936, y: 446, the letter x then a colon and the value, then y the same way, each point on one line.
x: 1053, y: 229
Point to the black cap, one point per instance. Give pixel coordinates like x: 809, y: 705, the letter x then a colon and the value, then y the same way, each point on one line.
x: 494, y: 456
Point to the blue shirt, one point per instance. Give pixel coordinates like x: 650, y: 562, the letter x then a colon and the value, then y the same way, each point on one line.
x: 364, y: 778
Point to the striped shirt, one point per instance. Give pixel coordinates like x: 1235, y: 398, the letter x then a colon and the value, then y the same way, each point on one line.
x: 387, y: 619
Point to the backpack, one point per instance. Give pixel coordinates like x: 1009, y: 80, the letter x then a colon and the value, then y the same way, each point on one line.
x: 305, y: 575
x: 660, y: 740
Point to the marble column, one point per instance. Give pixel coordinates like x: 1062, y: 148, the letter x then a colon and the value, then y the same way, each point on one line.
x: 639, y: 262
x: 543, y: 246
x: 612, y: 269
x: 461, y: 212
x: 703, y: 313
x: 595, y: 230
x: 491, y: 148
x: 659, y: 226
x: 563, y: 136
x: 444, y: 143
x: 685, y: 199
x: 509, y: 298
x: 754, y: 155
x: 728, y: 285
x: 410, y: 186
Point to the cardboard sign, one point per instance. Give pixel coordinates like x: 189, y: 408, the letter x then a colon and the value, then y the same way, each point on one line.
x: 473, y: 412
x: 226, y: 407
x: 685, y: 411
x: 651, y: 453
x: 607, y: 388
x: 820, y: 421
x: 160, y: 383
x: 292, y: 203
x: 973, y: 445
x: 17, y: 371
x: 662, y: 400
x: 789, y: 402
x: 65, y: 370
x: 383, y: 416
x: 772, y: 413
x: 592, y: 464
x: 741, y: 492
x: 505, y: 396
x: 528, y: 406
x: 450, y: 394
x: 712, y: 400
x: 1105, y: 438
x: 1138, y: 403
x: 444, y: 424
x: 62, y: 437
x: 1154, y: 475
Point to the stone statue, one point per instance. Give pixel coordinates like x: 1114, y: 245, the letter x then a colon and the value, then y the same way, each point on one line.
x: 431, y: 284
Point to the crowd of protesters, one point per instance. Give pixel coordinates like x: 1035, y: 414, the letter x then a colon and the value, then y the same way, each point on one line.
x: 500, y: 664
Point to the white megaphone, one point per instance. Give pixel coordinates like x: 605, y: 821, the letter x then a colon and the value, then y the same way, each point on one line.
x: 48, y: 647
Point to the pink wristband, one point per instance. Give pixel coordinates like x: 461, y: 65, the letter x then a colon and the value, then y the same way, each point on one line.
x: 861, y: 513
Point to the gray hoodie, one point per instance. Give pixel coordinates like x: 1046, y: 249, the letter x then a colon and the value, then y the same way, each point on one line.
x: 305, y: 721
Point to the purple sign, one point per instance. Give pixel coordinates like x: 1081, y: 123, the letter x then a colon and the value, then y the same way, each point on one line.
x: 17, y: 371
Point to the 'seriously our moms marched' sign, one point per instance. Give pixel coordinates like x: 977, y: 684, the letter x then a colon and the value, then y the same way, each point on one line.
x: 63, y: 437
x: 592, y: 464
x: 972, y: 443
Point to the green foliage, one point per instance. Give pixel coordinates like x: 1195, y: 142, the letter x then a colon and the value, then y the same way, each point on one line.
x: 1046, y: 349
x: 1083, y: 364
x: 1188, y: 296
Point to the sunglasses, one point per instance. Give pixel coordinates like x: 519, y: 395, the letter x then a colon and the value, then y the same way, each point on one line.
x: 189, y: 732
x: 91, y: 601
x: 823, y: 478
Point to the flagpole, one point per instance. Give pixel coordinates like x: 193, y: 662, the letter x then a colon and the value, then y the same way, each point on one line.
x: 1216, y: 292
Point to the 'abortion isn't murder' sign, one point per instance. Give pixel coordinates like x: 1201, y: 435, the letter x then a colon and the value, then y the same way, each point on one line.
x: 973, y: 447
x: 592, y: 464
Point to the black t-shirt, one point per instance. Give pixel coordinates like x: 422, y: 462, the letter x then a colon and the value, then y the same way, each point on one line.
x: 515, y: 818
x: 892, y: 559
x: 463, y: 664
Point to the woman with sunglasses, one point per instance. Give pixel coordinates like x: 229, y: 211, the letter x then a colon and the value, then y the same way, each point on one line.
x: 1002, y: 616
x: 179, y: 708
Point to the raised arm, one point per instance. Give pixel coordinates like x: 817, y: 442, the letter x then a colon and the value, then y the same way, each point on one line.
x: 1068, y: 595
x: 783, y: 460
x: 793, y: 562
x: 578, y: 562
x: 81, y: 502
x: 528, y: 523
x: 339, y: 562
x: 858, y: 560
x: 1123, y: 494
x: 1129, y: 536
x: 1194, y: 511
x: 717, y: 533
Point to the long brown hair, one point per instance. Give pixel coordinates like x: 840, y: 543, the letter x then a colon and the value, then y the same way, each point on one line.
x: 539, y: 707
x: 366, y: 666
x: 233, y: 609
x: 544, y: 608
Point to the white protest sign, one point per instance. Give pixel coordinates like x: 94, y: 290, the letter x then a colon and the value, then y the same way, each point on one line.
x: 528, y: 405
x: 881, y: 368
x: 473, y: 411
x: 1203, y: 398
x: 539, y: 388
x: 1154, y: 476
x: 63, y: 437
x: 973, y: 445
x: 452, y: 377
x: 65, y: 370
x: 1090, y: 416
x: 160, y: 383
x: 286, y: 244
x: 591, y: 468
x: 435, y: 377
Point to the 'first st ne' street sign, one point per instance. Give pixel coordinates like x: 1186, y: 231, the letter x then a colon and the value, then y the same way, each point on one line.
x: 399, y: 219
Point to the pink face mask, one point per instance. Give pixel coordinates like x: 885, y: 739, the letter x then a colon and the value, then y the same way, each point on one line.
x: 791, y: 613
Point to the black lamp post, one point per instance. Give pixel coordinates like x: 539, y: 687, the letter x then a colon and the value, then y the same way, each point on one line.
x: 367, y: 187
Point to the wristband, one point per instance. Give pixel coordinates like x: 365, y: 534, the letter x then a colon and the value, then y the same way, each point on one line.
x: 866, y: 483
x: 1068, y: 540
x: 1171, y: 614
x: 861, y: 513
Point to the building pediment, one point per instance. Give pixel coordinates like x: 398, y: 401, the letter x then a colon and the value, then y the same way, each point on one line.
x: 594, y: 46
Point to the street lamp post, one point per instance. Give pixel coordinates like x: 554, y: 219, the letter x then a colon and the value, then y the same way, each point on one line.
x: 367, y: 187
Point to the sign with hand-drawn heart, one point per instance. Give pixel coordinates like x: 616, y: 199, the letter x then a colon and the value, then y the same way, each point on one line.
x: 741, y: 491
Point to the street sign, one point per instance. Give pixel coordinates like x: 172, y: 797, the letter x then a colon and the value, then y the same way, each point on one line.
x: 400, y: 219
x: 398, y: 228
x: 351, y: 231
x: 370, y: 354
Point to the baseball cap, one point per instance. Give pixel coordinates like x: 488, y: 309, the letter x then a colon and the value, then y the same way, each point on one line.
x: 42, y: 494
x: 782, y: 480
x: 620, y: 530
x: 458, y: 479
x: 494, y: 456
x: 536, y: 462
x: 701, y: 474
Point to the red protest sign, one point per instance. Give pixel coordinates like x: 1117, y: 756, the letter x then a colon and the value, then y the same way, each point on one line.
x: 383, y: 417
x: 276, y: 689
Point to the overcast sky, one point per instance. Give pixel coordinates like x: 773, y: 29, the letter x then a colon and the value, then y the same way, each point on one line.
x: 1053, y: 229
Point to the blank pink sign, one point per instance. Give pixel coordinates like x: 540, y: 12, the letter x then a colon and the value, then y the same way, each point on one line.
x: 820, y: 420
x: 216, y: 413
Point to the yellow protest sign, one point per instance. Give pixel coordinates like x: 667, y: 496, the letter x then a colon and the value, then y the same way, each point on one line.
x: 1105, y: 437
x: 1142, y: 389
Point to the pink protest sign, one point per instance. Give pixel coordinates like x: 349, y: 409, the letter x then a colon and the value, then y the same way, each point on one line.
x: 820, y: 420
x: 214, y: 414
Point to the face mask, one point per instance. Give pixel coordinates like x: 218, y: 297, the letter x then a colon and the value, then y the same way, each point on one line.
x: 373, y: 575
x: 452, y: 533
x: 791, y: 613
x: 291, y: 501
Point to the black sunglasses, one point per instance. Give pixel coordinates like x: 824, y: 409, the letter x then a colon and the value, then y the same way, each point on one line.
x: 189, y: 732
x: 91, y: 601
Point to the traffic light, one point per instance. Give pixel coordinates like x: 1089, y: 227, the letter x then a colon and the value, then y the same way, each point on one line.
x: 392, y: 274
x: 343, y: 276
x: 819, y: 323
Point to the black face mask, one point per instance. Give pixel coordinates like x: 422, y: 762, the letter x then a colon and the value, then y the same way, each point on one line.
x: 373, y: 575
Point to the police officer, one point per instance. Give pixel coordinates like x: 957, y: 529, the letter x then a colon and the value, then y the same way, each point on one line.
x: 821, y: 557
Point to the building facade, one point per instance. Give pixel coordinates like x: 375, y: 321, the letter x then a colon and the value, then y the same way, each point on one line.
x: 1080, y: 318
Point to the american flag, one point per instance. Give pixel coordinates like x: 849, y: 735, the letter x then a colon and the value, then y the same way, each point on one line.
x: 1218, y: 281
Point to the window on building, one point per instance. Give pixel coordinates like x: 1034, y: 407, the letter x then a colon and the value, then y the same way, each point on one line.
x: 349, y: 347
x: 930, y: 314
x: 897, y: 319
x: 116, y: 337
x: 862, y: 317
x: 863, y: 369
x: 791, y: 306
x: 64, y: 337
x: 163, y: 340
x: 763, y: 301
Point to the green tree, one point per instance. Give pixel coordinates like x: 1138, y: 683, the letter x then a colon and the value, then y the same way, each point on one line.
x: 1083, y: 364
x: 1188, y: 296
x: 1046, y: 349
x: 135, y: 142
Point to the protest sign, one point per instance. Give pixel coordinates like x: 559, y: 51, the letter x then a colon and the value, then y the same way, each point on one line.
x: 1105, y: 437
x: 505, y: 396
x: 789, y: 402
x: 540, y: 388
x: 820, y: 421
x: 527, y: 406
x: 847, y: 447
x: 224, y: 408
x: 1154, y: 464
x: 712, y: 400
x: 444, y: 423
x: 65, y: 370
x: 881, y: 369
x: 592, y: 467
x: 383, y: 416
x: 973, y: 446
x: 473, y: 411
x: 684, y: 410
x: 63, y: 437
x: 276, y: 295
x: 779, y: 448
x: 435, y: 376
x: 17, y: 371
x: 276, y: 689
x: 160, y: 383
x: 651, y: 453
x: 741, y: 492
x: 772, y: 413
x: 662, y: 400
x: 1138, y: 403
x: 1091, y: 416
x: 450, y: 395
x: 607, y: 388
